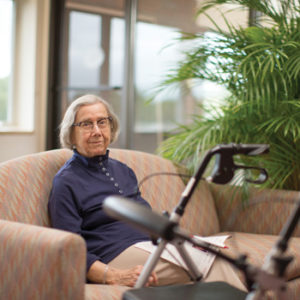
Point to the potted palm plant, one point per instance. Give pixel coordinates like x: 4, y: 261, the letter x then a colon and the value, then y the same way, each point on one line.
x: 260, y: 67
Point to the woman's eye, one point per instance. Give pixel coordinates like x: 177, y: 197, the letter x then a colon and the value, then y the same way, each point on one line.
x: 86, y: 124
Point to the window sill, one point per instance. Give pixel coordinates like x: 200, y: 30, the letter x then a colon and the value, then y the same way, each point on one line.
x: 14, y: 130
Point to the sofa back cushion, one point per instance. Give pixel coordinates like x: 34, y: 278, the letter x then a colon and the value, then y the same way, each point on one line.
x: 163, y: 192
x: 25, y: 184
x: 264, y: 211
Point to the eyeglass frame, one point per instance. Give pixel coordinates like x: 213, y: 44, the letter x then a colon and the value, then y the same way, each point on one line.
x: 91, y: 124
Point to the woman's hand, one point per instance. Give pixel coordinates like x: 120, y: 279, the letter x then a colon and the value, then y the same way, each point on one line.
x: 98, y: 273
x: 128, y: 277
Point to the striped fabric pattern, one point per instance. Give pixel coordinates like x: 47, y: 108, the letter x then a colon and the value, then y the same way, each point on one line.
x: 265, y: 212
x: 104, y: 292
x: 25, y: 185
x: 40, y: 263
x: 257, y: 246
x: 163, y: 191
x: 294, y: 289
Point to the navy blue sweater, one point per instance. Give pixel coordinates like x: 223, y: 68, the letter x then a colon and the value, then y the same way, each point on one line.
x: 75, y: 204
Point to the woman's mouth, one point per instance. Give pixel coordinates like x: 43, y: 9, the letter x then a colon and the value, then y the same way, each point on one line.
x: 96, y: 142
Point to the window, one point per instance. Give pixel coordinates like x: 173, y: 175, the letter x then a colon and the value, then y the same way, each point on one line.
x: 157, y: 50
x: 95, y: 56
x: 85, y: 53
x: 6, y: 33
x: 154, y: 57
x: 19, y: 60
x: 121, y: 51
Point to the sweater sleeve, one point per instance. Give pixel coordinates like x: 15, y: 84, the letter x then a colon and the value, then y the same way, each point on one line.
x: 65, y: 212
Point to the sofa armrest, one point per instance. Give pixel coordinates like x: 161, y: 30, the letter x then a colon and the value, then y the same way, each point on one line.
x: 40, y: 263
x: 263, y: 211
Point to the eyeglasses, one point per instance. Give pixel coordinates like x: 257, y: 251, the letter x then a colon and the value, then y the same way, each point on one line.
x: 89, y: 125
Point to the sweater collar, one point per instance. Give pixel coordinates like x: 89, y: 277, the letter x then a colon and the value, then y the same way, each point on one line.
x: 91, y: 161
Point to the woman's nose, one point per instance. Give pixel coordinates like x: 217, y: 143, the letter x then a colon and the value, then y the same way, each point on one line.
x: 96, y: 129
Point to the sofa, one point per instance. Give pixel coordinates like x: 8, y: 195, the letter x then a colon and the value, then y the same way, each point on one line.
x: 39, y: 262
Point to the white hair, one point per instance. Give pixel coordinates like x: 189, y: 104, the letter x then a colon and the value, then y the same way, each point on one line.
x: 66, y: 125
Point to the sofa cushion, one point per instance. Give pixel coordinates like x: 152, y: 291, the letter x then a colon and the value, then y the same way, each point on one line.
x: 257, y: 246
x: 164, y: 191
x: 104, y: 292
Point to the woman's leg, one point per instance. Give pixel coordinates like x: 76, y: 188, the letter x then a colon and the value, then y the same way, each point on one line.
x: 169, y: 273
x: 223, y: 271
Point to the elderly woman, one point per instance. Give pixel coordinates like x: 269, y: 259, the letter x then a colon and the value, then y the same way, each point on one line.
x: 78, y: 191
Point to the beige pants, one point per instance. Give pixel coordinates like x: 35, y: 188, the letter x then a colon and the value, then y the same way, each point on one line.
x: 169, y: 273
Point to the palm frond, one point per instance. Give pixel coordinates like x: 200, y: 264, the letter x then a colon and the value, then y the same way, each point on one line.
x: 260, y: 67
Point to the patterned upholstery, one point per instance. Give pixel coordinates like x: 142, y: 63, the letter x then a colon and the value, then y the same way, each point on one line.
x: 163, y: 192
x: 40, y: 263
x: 43, y: 263
x: 104, y: 292
x: 266, y: 211
x: 25, y: 184
x: 256, y: 246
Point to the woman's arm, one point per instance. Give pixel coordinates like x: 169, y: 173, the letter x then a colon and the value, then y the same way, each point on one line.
x: 64, y: 212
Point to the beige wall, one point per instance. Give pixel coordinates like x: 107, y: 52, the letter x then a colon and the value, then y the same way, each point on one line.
x: 30, y: 81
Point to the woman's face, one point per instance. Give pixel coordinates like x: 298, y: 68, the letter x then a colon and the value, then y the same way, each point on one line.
x: 95, y: 141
